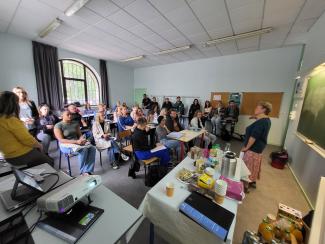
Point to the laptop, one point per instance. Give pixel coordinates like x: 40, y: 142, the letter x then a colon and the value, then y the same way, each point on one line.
x: 28, y: 190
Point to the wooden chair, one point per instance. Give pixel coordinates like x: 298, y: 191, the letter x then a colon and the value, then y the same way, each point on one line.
x: 125, y: 136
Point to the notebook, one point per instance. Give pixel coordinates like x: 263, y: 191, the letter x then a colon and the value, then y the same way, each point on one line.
x: 209, y: 215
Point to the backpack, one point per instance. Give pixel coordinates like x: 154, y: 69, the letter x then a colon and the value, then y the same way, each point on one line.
x: 154, y: 174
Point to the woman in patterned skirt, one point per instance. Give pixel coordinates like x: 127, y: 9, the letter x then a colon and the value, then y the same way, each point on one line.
x: 256, y: 141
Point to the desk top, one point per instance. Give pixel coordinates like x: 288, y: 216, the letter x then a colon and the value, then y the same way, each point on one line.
x: 118, y: 218
x: 189, y: 135
x: 164, y: 213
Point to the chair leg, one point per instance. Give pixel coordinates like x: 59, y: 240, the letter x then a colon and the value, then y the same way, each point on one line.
x: 100, y: 158
x: 69, y: 166
x: 60, y: 160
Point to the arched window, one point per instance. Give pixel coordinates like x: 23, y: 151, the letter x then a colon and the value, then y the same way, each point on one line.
x: 79, y: 82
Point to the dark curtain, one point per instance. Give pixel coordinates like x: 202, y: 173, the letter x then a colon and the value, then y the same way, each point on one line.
x: 47, y: 75
x: 104, y: 81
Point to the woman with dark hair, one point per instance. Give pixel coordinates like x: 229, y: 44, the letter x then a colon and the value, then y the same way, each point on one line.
x: 207, y: 108
x: 194, y: 107
x: 18, y: 147
x: 141, y: 146
x: 45, y: 126
x: 256, y: 141
x: 28, y: 110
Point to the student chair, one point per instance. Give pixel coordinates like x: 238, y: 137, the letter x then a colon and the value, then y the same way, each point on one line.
x: 67, y: 156
x: 125, y: 137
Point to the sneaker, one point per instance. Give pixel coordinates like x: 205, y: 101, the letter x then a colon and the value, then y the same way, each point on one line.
x: 125, y: 157
x: 114, y: 165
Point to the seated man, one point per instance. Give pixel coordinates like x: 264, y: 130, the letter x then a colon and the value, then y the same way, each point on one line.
x: 172, y: 122
x: 167, y: 104
x: 72, y: 141
x: 142, y: 147
x: 179, y: 106
x: 232, y: 111
x: 231, y: 117
x: 146, y: 102
x: 162, y: 132
x: 124, y: 121
x: 197, y: 123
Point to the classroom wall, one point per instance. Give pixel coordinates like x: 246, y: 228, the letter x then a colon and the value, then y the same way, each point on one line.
x: 263, y: 71
x: 307, y: 164
x: 16, y: 64
x: 17, y: 68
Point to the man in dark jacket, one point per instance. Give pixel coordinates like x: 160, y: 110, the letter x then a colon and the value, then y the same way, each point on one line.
x: 172, y: 122
x: 179, y: 106
x: 232, y: 111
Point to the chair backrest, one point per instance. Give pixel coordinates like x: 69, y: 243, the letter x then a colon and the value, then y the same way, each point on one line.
x: 124, y: 134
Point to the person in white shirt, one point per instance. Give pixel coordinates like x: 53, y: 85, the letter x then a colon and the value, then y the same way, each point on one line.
x: 197, y: 123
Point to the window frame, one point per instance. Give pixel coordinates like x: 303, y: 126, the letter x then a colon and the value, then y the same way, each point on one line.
x: 64, y: 79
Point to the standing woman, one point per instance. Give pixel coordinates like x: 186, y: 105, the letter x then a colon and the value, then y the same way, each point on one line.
x: 17, y: 145
x: 195, y: 106
x: 45, y: 126
x: 28, y: 110
x: 256, y: 141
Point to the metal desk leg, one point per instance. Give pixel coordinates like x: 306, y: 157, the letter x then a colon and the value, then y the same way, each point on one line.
x: 151, y: 233
x: 182, y: 150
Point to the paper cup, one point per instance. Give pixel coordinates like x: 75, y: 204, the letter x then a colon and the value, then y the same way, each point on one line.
x: 170, y: 189
x: 220, y: 191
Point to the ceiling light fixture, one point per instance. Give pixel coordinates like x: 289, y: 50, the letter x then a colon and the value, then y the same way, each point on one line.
x: 133, y: 58
x: 173, y: 50
x: 51, y: 27
x: 239, y: 36
x: 75, y: 7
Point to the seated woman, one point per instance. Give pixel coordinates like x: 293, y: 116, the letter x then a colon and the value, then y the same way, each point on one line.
x: 197, y: 123
x: 134, y: 111
x: 102, y: 134
x: 139, y: 114
x: 45, y: 126
x: 88, y: 110
x: 217, y: 115
x: 142, y: 147
x: 162, y: 132
x: 163, y: 112
x: 68, y: 132
x: 124, y: 121
x: 28, y: 111
x: 17, y: 144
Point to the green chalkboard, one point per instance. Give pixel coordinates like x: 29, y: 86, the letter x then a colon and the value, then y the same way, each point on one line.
x: 138, y: 95
x: 312, y: 119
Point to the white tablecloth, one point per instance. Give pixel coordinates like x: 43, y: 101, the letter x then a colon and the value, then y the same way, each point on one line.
x: 164, y: 213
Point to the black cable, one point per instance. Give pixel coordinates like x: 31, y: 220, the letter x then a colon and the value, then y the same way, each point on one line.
x: 54, y: 184
x: 31, y: 229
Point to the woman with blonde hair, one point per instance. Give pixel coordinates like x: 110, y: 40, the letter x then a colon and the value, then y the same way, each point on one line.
x: 256, y: 141
x: 102, y: 135
x: 28, y: 110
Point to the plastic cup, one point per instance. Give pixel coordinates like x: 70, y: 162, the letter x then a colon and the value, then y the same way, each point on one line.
x: 170, y: 189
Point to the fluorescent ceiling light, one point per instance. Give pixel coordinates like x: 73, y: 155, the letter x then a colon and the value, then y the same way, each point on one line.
x: 51, y: 27
x: 78, y: 4
x: 173, y: 50
x: 133, y: 58
x: 239, y: 36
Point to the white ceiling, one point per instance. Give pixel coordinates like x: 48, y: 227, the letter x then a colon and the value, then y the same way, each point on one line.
x: 118, y: 29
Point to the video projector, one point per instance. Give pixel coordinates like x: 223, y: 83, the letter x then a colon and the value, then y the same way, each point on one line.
x: 66, y: 196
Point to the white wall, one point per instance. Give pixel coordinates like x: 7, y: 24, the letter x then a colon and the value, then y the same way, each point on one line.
x: 307, y: 164
x: 17, y: 68
x: 17, y: 65
x: 264, y: 71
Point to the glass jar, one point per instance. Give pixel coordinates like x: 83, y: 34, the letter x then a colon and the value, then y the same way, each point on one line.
x: 262, y: 226
x: 268, y: 234
x: 286, y: 236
